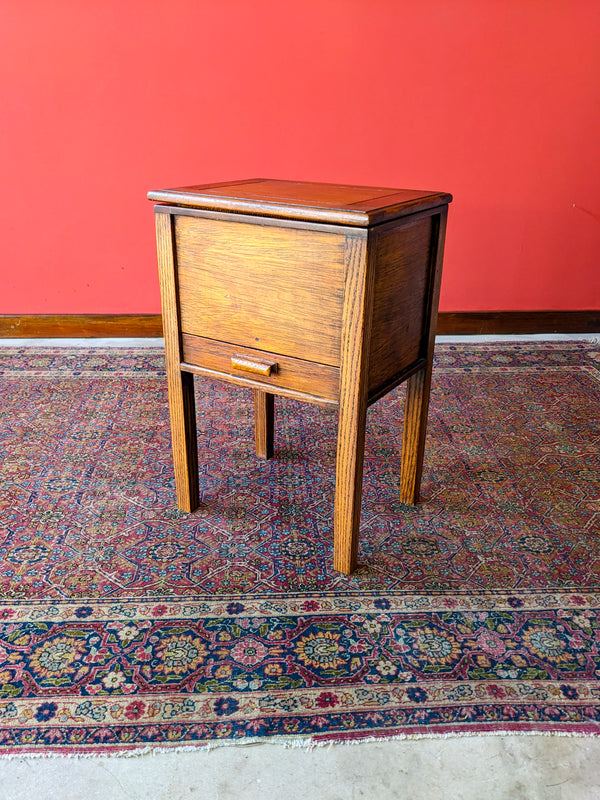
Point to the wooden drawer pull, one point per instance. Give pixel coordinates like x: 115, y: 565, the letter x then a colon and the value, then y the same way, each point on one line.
x: 255, y: 365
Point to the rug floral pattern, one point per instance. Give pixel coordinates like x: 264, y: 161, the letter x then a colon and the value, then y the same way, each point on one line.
x: 126, y: 623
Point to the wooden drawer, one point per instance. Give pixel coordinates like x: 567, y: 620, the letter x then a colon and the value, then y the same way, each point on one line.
x: 270, y: 287
x: 260, y: 369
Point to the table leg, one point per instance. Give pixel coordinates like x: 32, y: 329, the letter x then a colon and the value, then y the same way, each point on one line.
x: 348, y: 486
x: 182, y: 410
x: 182, y: 407
x: 354, y: 368
x: 415, y: 428
x: 264, y: 423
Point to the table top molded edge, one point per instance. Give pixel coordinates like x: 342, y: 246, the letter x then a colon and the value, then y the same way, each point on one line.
x: 378, y: 212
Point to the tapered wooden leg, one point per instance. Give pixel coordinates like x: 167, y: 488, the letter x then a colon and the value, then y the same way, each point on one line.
x: 182, y: 410
x: 348, y: 485
x: 264, y: 423
x: 356, y: 329
x: 415, y: 428
x: 418, y: 385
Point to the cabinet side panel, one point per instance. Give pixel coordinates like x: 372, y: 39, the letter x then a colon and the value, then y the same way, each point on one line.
x: 403, y: 258
x: 267, y: 287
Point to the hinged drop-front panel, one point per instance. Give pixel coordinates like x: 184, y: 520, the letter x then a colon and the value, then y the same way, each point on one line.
x: 269, y: 287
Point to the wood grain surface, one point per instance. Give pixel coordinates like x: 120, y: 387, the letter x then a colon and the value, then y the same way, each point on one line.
x: 356, y: 329
x: 292, y: 373
x: 180, y: 384
x: 418, y: 386
x: 264, y: 423
x: 271, y: 288
x: 79, y: 326
x: 363, y: 206
x: 450, y: 323
x: 402, y: 257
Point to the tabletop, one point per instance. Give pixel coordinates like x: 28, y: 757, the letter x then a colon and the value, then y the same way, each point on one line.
x: 320, y: 202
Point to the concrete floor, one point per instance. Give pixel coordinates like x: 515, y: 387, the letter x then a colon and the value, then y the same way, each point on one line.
x: 492, y: 767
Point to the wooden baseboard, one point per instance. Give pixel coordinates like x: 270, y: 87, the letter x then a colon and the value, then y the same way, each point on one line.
x: 460, y: 323
x: 450, y: 323
x: 76, y: 326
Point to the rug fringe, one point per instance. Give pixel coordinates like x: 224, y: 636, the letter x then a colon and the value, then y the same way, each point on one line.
x: 308, y: 744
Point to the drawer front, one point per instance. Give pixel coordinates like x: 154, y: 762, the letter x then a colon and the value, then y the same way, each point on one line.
x: 251, y: 366
x: 267, y: 287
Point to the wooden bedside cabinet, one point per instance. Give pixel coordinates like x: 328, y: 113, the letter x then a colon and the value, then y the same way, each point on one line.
x: 320, y: 292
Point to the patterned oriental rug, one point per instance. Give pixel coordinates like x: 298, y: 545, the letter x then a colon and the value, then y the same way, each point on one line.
x: 127, y: 624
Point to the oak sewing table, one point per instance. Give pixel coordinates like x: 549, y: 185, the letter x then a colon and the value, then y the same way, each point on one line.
x: 319, y: 292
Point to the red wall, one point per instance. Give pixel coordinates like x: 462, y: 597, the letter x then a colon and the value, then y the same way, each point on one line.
x: 497, y: 102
